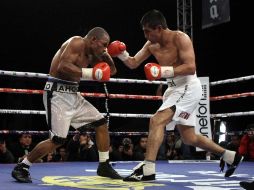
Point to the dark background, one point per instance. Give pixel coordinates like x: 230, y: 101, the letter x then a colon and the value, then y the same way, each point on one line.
x: 32, y: 31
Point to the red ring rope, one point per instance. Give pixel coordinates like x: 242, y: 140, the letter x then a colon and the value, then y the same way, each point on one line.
x: 86, y: 94
x: 125, y: 96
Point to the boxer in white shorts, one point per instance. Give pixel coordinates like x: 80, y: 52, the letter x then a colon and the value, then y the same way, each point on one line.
x: 64, y: 105
x: 175, y: 57
x: 183, y: 95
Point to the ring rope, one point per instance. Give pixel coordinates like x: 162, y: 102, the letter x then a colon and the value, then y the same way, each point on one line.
x: 106, y: 103
x: 125, y: 96
x: 232, y: 96
x: 38, y: 112
x: 5, y: 132
x: 124, y: 115
x: 24, y: 74
x: 87, y: 94
x: 45, y: 76
x: 239, y: 79
x: 234, y: 114
x: 42, y: 75
x: 69, y: 133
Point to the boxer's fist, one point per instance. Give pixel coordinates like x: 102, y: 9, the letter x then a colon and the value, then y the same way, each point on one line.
x: 115, y: 48
x: 100, y: 72
x: 152, y: 71
x: 118, y: 49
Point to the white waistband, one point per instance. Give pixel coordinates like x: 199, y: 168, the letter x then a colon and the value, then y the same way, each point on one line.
x: 180, y: 80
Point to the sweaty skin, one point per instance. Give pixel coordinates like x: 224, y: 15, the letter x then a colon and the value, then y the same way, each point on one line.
x: 170, y: 48
x: 74, y: 54
x: 173, y: 48
x: 77, y: 53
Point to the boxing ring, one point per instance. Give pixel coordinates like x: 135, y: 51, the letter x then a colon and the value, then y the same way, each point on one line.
x: 173, y: 174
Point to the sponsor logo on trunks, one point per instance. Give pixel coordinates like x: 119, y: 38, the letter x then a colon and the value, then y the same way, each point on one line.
x: 48, y: 86
x: 181, y: 97
x: 184, y: 115
x: 66, y: 88
x: 61, y: 87
x: 171, y: 83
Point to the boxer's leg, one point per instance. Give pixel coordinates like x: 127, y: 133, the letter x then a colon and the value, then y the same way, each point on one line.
x: 55, y: 108
x: 89, y: 117
x: 145, y: 171
x: 189, y: 137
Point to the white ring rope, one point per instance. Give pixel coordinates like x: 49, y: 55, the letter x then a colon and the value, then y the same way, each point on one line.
x: 24, y: 74
x: 41, y: 75
x: 239, y: 79
x: 38, y: 112
x: 45, y: 76
x: 234, y: 114
x: 70, y: 132
x: 129, y: 133
x: 117, y: 80
x: 124, y: 115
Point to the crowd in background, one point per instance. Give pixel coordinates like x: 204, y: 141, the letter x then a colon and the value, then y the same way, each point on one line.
x: 82, y: 147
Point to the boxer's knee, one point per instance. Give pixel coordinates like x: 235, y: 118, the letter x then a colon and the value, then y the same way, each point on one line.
x: 161, y: 118
x: 153, y: 121
x: 56, y: 139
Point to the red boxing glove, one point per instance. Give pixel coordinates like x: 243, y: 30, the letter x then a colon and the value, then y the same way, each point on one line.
x: 115, y: 48
x: 118, y: 49
x: 100, y: 72
x: 152, y: 71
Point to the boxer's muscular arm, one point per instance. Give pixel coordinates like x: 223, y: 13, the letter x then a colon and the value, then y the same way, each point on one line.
x: 107, y: 58
x: 68, y: 59
x: 142, y: 55
x: 186, y: 55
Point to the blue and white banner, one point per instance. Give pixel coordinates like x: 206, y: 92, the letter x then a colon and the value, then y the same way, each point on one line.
x: 203, y: 124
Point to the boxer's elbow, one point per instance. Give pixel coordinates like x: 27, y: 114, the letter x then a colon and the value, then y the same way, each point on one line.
x: 65, y: 69
x: 113, y: 71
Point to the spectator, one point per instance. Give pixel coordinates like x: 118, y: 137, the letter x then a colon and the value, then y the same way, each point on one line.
x: 82, y: 148
x: 140, y: 149
x: 234, y: 143
x: 170, y: 146
x: 21, y: 149
x: 5, y: 155
x: 50, y: 157
x: 246, y: 147
x: 117, y: 153
x: 127, y: 149
x: 175, y: 147
x: 161, y: 155
x: 61, y: 154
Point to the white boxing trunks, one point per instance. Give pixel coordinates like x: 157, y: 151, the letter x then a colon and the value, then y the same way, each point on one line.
x: 65, y: 107
x: 183, y: 92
